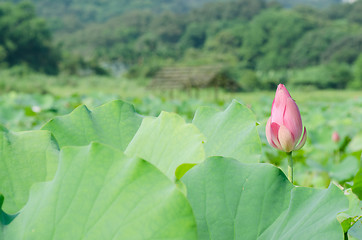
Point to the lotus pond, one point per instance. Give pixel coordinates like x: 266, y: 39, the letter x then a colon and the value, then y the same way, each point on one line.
x: 94, y: 167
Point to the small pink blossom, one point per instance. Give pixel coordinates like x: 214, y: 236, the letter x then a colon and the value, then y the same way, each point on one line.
x: 284, y: 129
x: 335, y: 137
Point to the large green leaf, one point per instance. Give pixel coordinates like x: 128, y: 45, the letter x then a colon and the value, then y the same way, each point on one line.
x: 233, y: 200
x: 345, y: 170
x: 351, y: 216
x: 231, y: 133
x: 357, y: 184
x: 356, y: 143
x: 167, y: 142
x: 356, y: 230
x: 25, y: 158
x: 5, y: 219
x: 114, y: 123
x: 98, y: 193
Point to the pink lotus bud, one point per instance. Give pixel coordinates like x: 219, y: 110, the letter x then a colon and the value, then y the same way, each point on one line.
x: 284, y: 129
x: 335, y: 137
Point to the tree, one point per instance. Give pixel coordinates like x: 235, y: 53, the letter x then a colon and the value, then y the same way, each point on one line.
x: 310, y: 47
x: 271, y: 37
x: 169, y: 27
x: 355, y: 13
x: 344, y: 50
x: 194, y: 37
x: 357, y: 72
x: 25, y: 38
x: 240, y: 9
x: 227, y: 40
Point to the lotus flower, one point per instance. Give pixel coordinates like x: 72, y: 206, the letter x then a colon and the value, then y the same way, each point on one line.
x: 284, y: 129
x: 335, y: 137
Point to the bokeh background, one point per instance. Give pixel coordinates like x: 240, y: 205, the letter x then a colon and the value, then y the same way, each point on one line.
x: 177, y: 55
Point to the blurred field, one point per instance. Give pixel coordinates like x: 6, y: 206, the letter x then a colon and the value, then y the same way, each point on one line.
x: 323, y: 112
x: 65, y: 85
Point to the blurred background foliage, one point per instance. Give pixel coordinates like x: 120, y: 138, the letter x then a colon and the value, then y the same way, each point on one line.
x: 307, y: 44
x: 56, y: 55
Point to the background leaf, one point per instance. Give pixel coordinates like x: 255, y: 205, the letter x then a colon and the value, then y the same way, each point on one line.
x: 356, y: 230
x: 349, y: 217
x: 182, y: 169
x: 114, y: 123
x: 232, y: 200
x: 345, y: 170
x: 5, y: 219
x: 167, y: 142
x: 231, y: 133
x: 25, y: 158
x: 357, y: 184
x: 98, y: 193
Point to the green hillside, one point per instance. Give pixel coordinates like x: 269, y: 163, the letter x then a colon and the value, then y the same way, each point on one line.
x: 259, y: 43
x: 313, y: 3
x: 71, y: 15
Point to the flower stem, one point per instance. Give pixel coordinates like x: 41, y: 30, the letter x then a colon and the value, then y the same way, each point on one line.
x: 290, y: 167
x: 337, y: 156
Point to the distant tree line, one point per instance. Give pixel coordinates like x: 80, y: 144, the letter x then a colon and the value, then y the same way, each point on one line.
x: 259, y: 43
x: 26, y: 39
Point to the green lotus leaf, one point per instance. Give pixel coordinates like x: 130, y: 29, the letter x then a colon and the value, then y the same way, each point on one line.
x: 233, y: 200
x: 5, y: 219
x: 356, y: 143
x: 350, y: 217
x: 356, y: 230
x: 344, y: 170
x: 167, y: 142
x: 231, y: 133
x: 114, y: 123
x: 99, y: 193
x: 25, y: 158
x: 357, y: 184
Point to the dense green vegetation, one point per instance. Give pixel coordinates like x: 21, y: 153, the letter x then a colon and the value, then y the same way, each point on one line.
x: 170, y: 146
x: 26, y: 39
x: 70, y: 15
x: 32, y: 111
x: 113, y: 160
x: 259, y: 43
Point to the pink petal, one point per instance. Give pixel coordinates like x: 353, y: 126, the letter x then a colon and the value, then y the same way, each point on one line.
x: 274, y: 134
x: 279, y: 104
x: 268, y: 133
x: 292, y: 119
x: 282, y: 87
x: 335, y: 137
x: 302, y: 141
x: 286, y: 139
x: 273, y: 104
